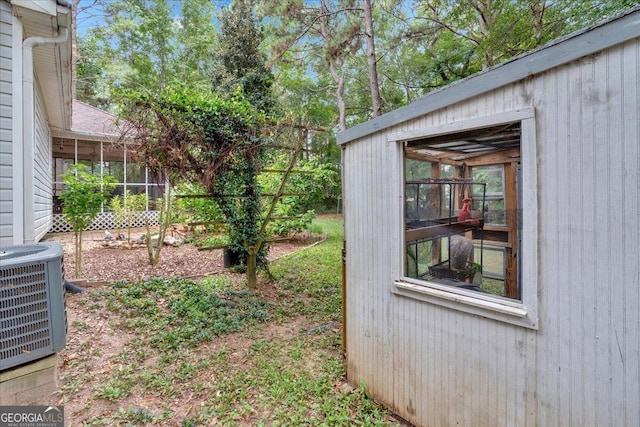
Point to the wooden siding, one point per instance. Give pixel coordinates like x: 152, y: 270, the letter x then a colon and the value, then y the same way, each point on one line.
x: 6, y: 126
x: 373, y: 253
x: 438, y: 367
x: 589, y: 276
x: 42, y: 172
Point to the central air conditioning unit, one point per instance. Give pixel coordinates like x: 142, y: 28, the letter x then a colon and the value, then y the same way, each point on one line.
x: 33, y: 320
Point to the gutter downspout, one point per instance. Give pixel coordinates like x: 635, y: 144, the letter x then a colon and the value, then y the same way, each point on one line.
x: 29, y: 127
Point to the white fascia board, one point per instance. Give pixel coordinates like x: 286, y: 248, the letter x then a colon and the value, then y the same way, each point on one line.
x: 49, y: 7
x: 57, y: 133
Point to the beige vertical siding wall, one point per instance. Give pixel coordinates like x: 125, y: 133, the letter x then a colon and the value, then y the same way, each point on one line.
x: 440, y: 367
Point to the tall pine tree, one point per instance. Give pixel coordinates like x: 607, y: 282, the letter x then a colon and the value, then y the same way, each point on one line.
x: 242, y: 69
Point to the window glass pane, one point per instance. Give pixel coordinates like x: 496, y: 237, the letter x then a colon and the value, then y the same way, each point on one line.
x: 456, y: 229
x: 495, y: 213
x: 131, y: 190
x: 448, y: 260
x: 135, y: 171
x: 136, y: 189
x: 419, y: 204
x: 440, y: 246
x: 493, y: 176
x: 115, y: 169
x: 92, y: 167
x: 416, y: 169
x: 57, y: 205
x: 156, y: 179
x: 492, y: 261
x: 156, y: 194
x: 493, y: 269
x: 447, y: 171
x: 118, y: 190
x: 60, y: 166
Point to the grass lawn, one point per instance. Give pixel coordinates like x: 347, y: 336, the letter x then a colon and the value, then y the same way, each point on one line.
x: 201, y: 353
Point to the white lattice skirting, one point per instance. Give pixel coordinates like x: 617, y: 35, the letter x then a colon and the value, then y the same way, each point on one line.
x: 105, y: 221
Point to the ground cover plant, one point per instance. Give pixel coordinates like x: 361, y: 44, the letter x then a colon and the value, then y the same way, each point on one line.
x: 209, y: 352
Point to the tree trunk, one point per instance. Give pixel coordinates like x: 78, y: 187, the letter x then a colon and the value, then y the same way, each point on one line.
x: 163, y: 226
x: 252, y: 267
x: 334, y: 61
x: 78, y: 267
x: 376, y: 100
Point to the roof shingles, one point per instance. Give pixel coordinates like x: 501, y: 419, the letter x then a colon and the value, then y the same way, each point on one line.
x: 91, y: 120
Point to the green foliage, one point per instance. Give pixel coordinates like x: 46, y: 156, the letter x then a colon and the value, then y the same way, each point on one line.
x: 242, y: 67
x: 191, y: 312
x: 113, y: 391
x: 83, y: 196
x: 213, y: 141
x: 195, y: 38
x: 419, y: 48
x: 146, y: 44
x: 127, y: 208
x: 92, y: 83
x: 197, y: 209
x: 321, y: 183
x: 134, y: 415
x: 193, y: 135
x: 281, y: 365
x: 493, y: 176
x: 279, y: 59
x: 241, y: 63
x: 314, y: 273
x: 285, y: 224
x: 313, y: 185
x: 209, y: 241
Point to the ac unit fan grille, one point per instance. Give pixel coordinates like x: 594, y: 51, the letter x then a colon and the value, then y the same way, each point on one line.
x: 24, y: 311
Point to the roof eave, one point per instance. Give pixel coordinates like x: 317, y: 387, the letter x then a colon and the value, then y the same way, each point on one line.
x: 87, y: 136
x: 52, y: 63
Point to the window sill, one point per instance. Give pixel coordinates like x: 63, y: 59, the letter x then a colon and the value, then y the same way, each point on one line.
x: 466, y: 301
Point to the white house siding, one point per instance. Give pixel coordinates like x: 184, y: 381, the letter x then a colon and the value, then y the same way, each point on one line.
x: 439, y: 367
x: 6, y: 117
x: 42, y: 173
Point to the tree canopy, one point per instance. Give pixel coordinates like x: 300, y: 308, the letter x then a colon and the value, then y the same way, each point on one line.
x: 191, y: 134
x: 202, y: 79
x: 315, y: 52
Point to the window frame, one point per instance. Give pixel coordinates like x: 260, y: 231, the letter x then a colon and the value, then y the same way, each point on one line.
x: 522, y: 312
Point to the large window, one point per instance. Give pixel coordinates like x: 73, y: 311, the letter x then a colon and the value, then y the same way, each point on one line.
x: 465, y: 235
